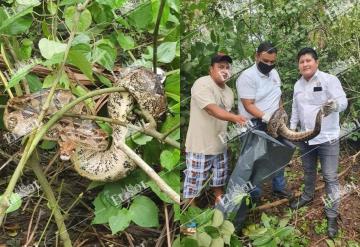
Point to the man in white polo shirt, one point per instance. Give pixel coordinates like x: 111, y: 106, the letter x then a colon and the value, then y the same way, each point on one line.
x: 259, y: 95
x: 206, y: 154
x: 315, y: 90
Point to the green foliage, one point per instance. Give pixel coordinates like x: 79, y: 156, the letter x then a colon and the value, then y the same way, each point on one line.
x: 237, y: 28
x: 273, y: 232
x: 321, y: 226
x: 212, y: 231
x: 15, y: 202
x: 143, y: 212
x: 108, y: 34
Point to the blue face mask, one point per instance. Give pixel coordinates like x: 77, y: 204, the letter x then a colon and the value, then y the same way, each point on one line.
x: 265, y: 68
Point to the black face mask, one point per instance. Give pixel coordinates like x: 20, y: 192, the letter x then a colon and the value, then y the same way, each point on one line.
x: 265, y: 68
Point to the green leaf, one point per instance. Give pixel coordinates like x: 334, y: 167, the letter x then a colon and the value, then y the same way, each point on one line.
x: 155, y: 5
x: 104, y: 80
x: 48, y: 48
x: 218, y: 242
x: 126, y: 42
x: 330, y: 243
x: 174, y: 4
x: 81, y: 91
x: 81, y: 38
x: 120, y: 221
x: 21, y: 73
x: 262, y: 240
x: 47, y: 145
x: 169, y: 123
x: 102, y: 211
x: 84, y: 20
x: 70, y: 2
x: 169, y: 159
x: 141, y: 17
x: 175, y: 108
x: 166, y: 52
x: 51, y: 7
x: 265, y: 220
x: 172, y: 179
x: 48, y: 81
x: 112, y: 3
x: 144, y: 212
x: 141, y: 139
x: 101, y: 13
x: 172, y: 84
x: 20, y: 24
x: 78, y: 59
x: 212, y: 231
x: 176, y: 243
x: 14, y: 201
x: 105, y: 54
x: 227, y: 227
x: 218, y: 218
x: 26, y: 48
x: 284, y: 232
x: 173, y: 96
x: 203, y: 239
x: 188, y: 242
x: 34, y: 82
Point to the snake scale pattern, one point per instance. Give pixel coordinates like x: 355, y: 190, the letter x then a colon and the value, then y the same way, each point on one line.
x: 82, y: 141
x: 277, y: 127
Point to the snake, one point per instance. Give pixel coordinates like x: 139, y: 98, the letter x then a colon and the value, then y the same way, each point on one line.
x: 81, y: 141
x: 277, y: 127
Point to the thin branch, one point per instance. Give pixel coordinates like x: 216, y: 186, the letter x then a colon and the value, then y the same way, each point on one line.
x: 151, y: 173
x: 156, y: 32
x: 59, y: 219
x: 165, y: 135
x: 167, y: 226
x: 147, y: 131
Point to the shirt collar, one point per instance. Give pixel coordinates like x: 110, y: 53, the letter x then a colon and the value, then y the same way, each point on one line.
x: 314, y: 77
x: 261, y: 74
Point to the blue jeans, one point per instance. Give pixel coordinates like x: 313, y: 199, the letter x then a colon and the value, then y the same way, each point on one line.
x: 278, y: 184
x: 328, y: 153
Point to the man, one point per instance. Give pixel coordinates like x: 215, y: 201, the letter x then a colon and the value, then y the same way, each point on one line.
x: 315, y: 90
x: 211, y: 102
x: 259, y: 92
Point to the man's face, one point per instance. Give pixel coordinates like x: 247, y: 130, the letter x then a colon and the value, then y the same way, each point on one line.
x: 268, y: 58
x: 308, y: 66
x: 220, y: 72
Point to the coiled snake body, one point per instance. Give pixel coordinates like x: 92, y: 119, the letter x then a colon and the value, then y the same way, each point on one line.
x: 82, y: 140
x: 277, y: 127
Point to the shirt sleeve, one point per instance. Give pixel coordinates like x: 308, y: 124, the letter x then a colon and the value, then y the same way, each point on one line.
x: 202, y: 94
x: 245, y: 87
x: 337, y: 93
x: 294, y: 120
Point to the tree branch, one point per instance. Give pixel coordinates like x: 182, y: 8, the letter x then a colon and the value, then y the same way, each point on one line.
x: 151, y: 173
x: 147, y: 131
x: 59, y: 219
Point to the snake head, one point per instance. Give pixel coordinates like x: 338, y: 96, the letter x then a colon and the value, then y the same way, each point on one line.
x: 67, y: 149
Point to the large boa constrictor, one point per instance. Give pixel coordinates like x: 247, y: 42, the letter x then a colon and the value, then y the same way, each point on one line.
x: 82, y: 140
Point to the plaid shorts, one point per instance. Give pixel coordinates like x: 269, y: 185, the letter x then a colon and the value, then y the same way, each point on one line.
x: 198, y: 170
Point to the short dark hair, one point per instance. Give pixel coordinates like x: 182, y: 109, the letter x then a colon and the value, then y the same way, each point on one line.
x: 267, y: 47
x: 220, y: 57
x: 307, y: 50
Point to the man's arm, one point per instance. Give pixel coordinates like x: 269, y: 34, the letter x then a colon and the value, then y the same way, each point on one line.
x: 221, y: 114
x: 250, y: 107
